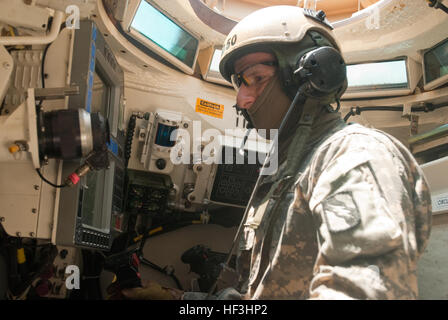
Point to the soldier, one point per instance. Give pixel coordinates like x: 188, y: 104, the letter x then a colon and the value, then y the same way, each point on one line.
x: 348, y: 213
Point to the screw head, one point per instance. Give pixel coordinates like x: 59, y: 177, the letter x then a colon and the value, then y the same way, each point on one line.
x: 34, y: 210
x: 31, y: 234
x: 185, y: 125
x: 321, y: 15
x: 36, y: 187
x: 2, y: 219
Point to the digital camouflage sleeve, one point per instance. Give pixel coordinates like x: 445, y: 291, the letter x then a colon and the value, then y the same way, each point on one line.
x: 373, y: 211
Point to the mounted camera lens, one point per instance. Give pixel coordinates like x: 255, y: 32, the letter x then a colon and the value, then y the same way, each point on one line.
x: 71, y: 134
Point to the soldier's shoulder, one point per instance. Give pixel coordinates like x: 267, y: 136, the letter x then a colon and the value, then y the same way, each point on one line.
x: 355, y: 136
x: 356, y: 141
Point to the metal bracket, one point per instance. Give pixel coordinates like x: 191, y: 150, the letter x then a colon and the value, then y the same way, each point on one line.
x: 413, y: 118
x: 6, y: 67
x: 414, y: 124
x: 55, y: 93
x: 407, y: 111
x: 202, y: 175
x: 32, y: 128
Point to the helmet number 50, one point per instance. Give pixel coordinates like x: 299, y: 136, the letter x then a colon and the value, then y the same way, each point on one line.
x: 231, y: 41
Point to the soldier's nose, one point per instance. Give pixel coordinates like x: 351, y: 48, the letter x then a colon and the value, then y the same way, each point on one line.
x: 245, y: 98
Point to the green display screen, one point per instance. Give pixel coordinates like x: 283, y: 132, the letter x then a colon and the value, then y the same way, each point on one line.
x: 378, y: 75
x: 165, y: 33
x: 436, y: 62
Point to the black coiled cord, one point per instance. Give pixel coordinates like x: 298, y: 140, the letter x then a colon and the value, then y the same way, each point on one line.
x: 129, y: 136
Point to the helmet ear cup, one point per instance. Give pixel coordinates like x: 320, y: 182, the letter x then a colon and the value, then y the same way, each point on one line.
x: 323, y: 70
x: 289, y: 56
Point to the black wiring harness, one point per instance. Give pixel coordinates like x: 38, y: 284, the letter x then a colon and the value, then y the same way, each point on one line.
x: 130, y: 133
x: 428, y: 107
x: 437, y: 4
x: 49, y: 182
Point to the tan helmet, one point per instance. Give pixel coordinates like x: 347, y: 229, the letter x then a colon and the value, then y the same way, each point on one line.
x: 280, y: 30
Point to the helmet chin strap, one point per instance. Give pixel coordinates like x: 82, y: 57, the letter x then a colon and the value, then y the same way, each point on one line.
x: 302, y: 108
x: 242, y: 111
x: 321, y: 75
x: 293, y: 112
x: 249, y: 127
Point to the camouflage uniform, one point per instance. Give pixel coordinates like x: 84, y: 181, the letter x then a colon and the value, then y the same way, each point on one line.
x: 351, y: 226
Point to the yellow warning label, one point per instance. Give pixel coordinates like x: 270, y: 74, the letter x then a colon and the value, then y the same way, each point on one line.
x: 209, y: 108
